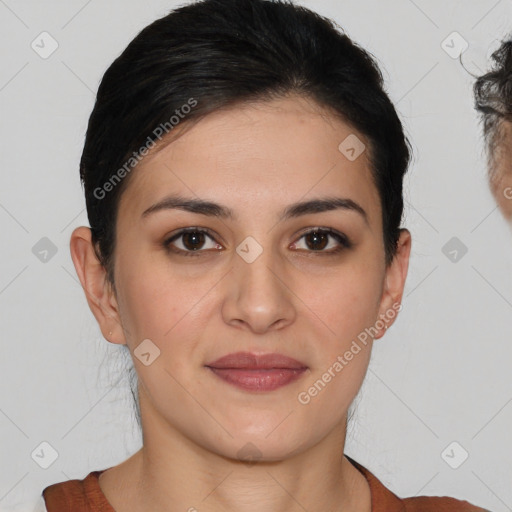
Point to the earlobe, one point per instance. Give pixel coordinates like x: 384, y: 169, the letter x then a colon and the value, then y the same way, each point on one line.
x: 98, y: 290
x: 394, y: 283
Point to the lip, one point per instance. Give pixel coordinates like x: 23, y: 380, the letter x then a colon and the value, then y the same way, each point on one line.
x: 257, y: 372
x: 251, y: 361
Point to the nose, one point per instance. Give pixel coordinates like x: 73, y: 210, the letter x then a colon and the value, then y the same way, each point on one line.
x: 259, y: 296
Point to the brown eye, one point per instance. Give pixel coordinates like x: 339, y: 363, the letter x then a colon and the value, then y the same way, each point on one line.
x: 193, y: 240
x: 317, y: 240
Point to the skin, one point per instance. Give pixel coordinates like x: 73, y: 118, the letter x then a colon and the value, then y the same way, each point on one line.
x: 501, y: 175
x: 255, y: 159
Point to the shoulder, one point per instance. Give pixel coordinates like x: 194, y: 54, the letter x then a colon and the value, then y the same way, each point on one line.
x: 439, y: 504
x: 75, y: 495
x: 384, y: 500
x: 65, y: 494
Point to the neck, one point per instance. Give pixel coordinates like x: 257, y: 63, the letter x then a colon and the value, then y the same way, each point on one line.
x: 171, y: 472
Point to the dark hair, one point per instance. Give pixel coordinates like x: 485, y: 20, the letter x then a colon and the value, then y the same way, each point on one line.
x: 493, y: 98
x: 214, y: 54
x: 219, y: 53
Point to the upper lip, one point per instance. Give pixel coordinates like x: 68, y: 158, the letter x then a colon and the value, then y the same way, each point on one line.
x: 251, y: 361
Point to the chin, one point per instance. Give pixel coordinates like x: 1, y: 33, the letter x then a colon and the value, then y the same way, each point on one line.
x: 279, y: 445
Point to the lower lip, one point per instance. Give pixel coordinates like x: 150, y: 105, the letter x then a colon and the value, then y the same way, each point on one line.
x: 258, y: 380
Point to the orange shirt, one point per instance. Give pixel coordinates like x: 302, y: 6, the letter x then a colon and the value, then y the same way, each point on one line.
x: 86, y: 496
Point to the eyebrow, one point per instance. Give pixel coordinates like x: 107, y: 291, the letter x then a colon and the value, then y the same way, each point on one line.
x: 294, y: 210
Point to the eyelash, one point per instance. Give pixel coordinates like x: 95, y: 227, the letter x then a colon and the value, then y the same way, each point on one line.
x: 344, y: 242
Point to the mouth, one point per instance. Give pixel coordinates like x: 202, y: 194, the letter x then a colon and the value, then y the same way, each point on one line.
x: 257, y: 372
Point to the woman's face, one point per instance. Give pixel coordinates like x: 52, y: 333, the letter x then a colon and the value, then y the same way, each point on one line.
x: 256, y: 281
x: 501, y: 177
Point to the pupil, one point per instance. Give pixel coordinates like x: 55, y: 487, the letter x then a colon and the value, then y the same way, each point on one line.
x: 315, y: 236
x: 194, y: 238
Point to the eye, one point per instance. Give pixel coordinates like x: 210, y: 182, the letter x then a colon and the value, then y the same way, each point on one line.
x: 317, y: 240
x: 191, y: 242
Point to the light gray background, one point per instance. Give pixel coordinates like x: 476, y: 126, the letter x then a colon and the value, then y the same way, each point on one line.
x: 442, y: 372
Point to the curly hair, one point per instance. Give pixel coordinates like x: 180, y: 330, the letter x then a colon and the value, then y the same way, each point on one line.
x: 493, y: 100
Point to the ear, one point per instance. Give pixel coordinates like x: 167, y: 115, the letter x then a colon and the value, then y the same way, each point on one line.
x: 394, y: 282
x: 98, y: 290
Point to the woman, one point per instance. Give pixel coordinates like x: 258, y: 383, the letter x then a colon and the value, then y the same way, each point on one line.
x: 493, y: 101
x: 243, y: 173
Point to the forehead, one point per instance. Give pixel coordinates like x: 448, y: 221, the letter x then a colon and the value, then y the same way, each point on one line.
x: 271, y: 153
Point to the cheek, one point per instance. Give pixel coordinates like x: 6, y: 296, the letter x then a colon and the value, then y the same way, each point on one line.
x: 162, y: 304
x: 346, y: 302
x: 332, y: 386
x: 150, y: 302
